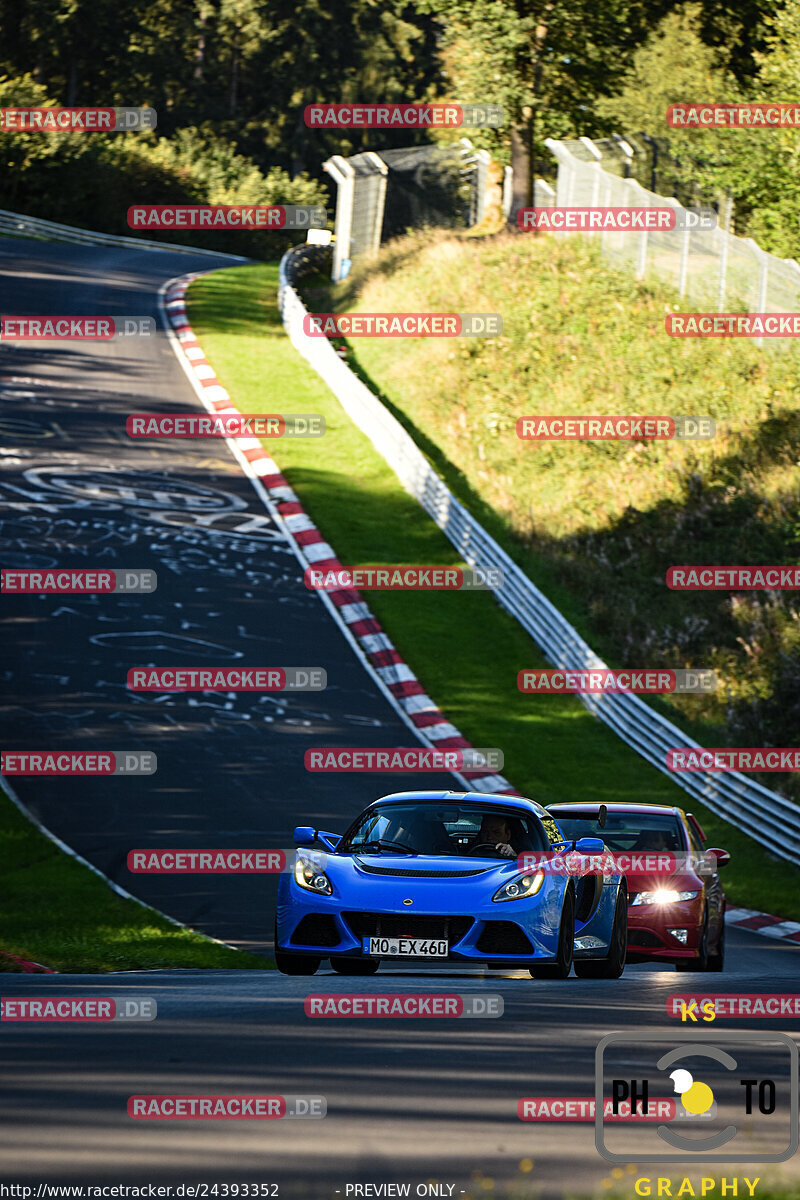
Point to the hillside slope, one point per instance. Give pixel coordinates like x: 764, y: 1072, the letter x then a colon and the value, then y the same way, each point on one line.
x: 597, y: 524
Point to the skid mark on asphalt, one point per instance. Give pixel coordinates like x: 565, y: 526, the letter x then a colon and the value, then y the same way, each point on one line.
x: 77, y: 492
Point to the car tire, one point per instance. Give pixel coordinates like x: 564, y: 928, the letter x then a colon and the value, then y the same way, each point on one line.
x: 700, y: 963
x: 561, y: 968
x: 716, y: 961
x: 294, y: 964
x: 355, y: 966
x: 612, y: 966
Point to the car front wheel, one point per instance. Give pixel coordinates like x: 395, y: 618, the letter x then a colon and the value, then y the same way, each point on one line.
x: 561, y: 968
x: 612, y: 966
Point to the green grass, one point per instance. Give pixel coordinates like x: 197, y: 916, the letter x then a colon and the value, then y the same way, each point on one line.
x: 35, y: 237
x: 58, y: 913
x: 464, y: 648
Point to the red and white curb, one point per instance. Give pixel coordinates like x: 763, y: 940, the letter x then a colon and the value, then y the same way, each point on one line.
x: 764, y: 923
x: 25, y: 966
x: 398, y: 682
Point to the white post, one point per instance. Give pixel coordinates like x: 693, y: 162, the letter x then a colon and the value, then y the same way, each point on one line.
x: 723, y: 267
x: 606, y: 234
x: 637, y: 189
x: 344, y: 177
x: 566, y: 167
x: 508, y: 190
x: 763, y: 285
x: 683, y: 269
x: 543, y: 194
x: 377, y: 228
x: 598, y: 174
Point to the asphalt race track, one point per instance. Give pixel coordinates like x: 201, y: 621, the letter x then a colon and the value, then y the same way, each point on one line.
x: 409, y: 1100
x: 76, y: 491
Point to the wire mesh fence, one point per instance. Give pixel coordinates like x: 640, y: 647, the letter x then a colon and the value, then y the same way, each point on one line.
x: 713, y: 268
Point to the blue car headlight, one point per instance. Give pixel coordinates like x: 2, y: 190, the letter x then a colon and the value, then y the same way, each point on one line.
x: 520, y: 888
x: 309, y: 876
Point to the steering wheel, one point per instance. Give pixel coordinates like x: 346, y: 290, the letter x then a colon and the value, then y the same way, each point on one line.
x: 482, y: 845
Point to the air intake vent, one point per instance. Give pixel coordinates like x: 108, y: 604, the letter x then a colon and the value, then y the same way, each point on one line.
x: 503, y: 937
x: 410, y: 873
x: 643, y: 937
x: 316, y: 929
x: 415, y: 925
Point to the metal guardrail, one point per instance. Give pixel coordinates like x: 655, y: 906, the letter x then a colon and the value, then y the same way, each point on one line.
x: 19, y: 225
x: 767, y: 817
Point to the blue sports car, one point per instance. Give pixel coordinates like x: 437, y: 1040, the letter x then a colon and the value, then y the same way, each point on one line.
x: 431, y: 877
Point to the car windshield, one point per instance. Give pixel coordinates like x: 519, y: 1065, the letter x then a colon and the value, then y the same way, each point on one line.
x: 623, y: 830
x: 443, y: 830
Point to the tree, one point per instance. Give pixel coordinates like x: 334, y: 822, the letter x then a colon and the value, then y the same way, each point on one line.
x: 759, y: 169
x: 675, y: 65
x: 546, y: 61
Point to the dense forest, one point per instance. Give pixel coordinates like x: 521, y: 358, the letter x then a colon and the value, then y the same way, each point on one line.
x: 230, y: 80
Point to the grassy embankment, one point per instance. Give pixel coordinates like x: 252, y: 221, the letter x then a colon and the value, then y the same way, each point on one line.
x: 597, y: 524
x: 58, y: 913
x: 466, y: 651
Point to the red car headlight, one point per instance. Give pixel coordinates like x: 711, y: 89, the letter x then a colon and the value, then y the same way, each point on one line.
x: 662, y: 896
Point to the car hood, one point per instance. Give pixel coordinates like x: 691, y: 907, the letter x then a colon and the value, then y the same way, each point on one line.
x: 417, y: 866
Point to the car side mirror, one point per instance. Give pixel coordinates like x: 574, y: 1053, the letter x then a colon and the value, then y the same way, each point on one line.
x: 304, y: 835
x: 590, y: 845
x: 721, y: 857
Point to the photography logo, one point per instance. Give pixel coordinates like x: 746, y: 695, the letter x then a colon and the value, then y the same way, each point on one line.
x: 697, y: 1098
x: 736, y: 1097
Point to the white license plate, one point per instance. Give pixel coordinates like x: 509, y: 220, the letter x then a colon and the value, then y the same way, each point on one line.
x: 405, y: 947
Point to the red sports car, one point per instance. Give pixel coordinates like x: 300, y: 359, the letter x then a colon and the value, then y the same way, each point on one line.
x: 673, y: 917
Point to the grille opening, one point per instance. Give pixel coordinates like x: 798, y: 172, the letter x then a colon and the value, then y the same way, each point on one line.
x: 503, y: 937
x: 643, y: 937
x: 316, y: 929
x: 419, y: 874
x: 417, y: 925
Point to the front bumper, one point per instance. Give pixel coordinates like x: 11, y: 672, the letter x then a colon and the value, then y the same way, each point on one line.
x: 331, y: 927
x: 649, y: 925
x: 516, y: 932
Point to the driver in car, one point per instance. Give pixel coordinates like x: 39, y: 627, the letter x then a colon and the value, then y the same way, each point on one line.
x: 495, y: 833
x: 654, y: 839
